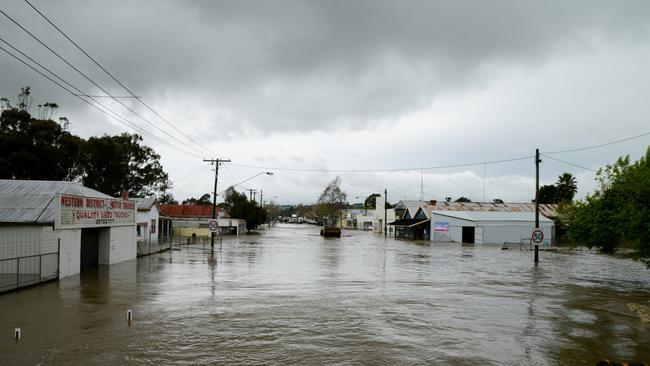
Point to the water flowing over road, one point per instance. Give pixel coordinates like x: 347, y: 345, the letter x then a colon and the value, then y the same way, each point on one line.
x: 289, y: 296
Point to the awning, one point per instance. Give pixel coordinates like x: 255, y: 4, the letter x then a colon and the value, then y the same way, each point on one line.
x: 409, y: 222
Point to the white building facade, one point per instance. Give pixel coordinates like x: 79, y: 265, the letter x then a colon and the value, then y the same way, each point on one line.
x: 489, y: 227
x: 58, y: 229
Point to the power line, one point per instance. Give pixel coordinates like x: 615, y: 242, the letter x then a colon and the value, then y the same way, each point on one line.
x: 386, y: 170
x: 599, y: 145
x: 114, y: 78
x: 110, y: 113
x: 568, y: 163
x: 92, y: 81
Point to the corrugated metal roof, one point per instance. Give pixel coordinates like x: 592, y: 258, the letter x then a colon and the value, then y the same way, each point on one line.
x: 548, y: 210
x: 492, y: 215
x: 32, y: 201
x: 145, y: 203
x: 456, y: 214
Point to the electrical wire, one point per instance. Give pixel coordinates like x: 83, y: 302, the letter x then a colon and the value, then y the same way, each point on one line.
x: 386, y: 170
x: 568, y: 163
x: 599, y: 145
x: 92, y: 81
x: 116, y: 80
x: 117, y: 119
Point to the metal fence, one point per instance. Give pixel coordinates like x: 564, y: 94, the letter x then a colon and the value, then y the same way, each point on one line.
x: 28, y: 270
x: 146, y: 247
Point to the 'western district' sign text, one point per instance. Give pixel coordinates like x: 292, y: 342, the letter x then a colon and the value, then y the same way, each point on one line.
x: 76, y: 212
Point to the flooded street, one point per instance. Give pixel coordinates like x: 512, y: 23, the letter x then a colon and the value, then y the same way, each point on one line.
x: 289, y: 296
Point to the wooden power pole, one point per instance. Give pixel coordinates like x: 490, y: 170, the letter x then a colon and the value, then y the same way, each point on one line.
x: 216, y: 163
x: 537, y: 161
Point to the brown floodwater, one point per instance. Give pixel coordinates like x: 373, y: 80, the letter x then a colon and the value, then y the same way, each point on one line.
x: 289, y: 296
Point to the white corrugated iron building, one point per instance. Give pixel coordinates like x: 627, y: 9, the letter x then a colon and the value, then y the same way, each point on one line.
x: 490, y: 227
x: 52, y: 229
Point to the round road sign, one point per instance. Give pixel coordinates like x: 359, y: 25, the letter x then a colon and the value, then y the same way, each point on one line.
x: 537, y: 236
x: 213, y: 225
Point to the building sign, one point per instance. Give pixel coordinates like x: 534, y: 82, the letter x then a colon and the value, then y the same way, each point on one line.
x: 75, y: 212
x: 441, y: 226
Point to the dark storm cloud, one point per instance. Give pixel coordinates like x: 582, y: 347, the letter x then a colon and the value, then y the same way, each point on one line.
x: 298, y: 65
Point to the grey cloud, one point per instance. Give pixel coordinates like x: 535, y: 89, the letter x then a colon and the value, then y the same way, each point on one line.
x: 297, y: 65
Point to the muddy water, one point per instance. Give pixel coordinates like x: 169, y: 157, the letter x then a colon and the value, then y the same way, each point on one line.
x: 289, y: 296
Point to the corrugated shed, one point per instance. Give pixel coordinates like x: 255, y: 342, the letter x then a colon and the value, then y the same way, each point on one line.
x: 31, y: 201
x: 493, y: 216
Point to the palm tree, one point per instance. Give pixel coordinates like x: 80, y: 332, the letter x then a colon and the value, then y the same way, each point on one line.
x: 566, y: 187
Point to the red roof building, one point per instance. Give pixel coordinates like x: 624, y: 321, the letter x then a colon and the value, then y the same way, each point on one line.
x: 188, y: 211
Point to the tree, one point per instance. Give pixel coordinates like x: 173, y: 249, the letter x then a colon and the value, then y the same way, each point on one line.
x: 562, y: 191
x: 239, y: 207
x: 43, y: 149
x: 167, y: 199
x: 618, y: 211
x: 371, y: 201
x: 567, y: 187
x: 112, y: 164
x: 463, y: 199
x: 232, y: 197
x: 331, y: 201
x: 35, y: 148
x: 548, y: 194
x: 203, y: 200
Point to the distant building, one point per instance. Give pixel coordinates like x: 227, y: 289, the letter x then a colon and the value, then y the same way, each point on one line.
x: 480, y: 222
x: 490, y: 227
x: 153, y: 229
x: 52, y: 229
x: 192, y: 220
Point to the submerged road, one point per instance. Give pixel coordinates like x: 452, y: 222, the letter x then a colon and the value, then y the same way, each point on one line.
x: 289, y: 296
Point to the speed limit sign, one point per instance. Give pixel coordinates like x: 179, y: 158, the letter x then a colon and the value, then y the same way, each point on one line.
x: 213, y: 225
x: 537, y: 236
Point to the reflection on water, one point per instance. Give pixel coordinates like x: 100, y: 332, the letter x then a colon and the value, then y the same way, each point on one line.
x: 290, y: 296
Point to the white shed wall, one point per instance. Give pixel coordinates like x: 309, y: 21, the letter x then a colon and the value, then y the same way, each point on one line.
x: 493, y: 232
x: 122, y: 244
x: 143, y: 219
x: 455, y: 232
x: 116, y: 244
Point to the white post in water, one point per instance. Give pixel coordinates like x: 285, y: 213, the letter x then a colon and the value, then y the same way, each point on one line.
x: 129, y: 316
x: 17, y: 333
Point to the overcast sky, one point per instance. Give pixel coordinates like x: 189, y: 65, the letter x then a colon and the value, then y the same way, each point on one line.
x: 354, y: 85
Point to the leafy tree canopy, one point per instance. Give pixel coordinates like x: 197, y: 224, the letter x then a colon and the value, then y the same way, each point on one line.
x: 167, y: 199
x: 618, y: 211
x: 36, y: 149
x: 240, y: 207
x: 111, y: 164
x: 562, y: 191
x: 43, y: 149
x: 331, y: 201
x: 203, y: 200
x: 463, y: 199
x: 370, y: 201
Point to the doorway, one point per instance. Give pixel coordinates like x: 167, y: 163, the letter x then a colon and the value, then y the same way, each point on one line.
x: 468, y: 234
x: 89, y: 257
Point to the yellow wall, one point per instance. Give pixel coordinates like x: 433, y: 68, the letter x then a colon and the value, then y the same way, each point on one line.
x: 187, y: 231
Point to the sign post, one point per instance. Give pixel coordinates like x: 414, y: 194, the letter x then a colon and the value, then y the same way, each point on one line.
x: 213, y: 225
x: 537, y: 237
